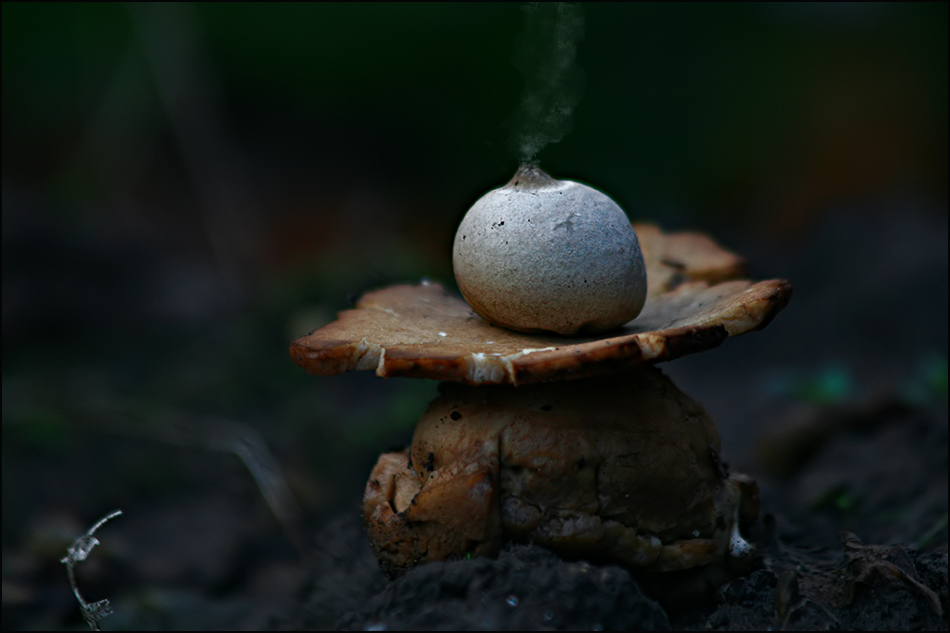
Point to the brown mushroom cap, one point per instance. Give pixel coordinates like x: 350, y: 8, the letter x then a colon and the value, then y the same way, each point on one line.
x: 694, y: 302
x: 635, y: 479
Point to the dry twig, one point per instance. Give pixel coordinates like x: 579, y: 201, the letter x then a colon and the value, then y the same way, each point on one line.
x: 78, y: 552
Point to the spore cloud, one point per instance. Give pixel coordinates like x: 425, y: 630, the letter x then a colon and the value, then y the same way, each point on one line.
x: 554, y: 82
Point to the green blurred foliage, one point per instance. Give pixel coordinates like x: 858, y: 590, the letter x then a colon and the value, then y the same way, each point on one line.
x: 929, y: 383
x: 738, y: 109
x: 830, y: 384
x: 42, y: 429
x: 932, y: 535
x: 841, y: 499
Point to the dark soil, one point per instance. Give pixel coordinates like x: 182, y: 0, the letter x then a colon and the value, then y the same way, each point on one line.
x: 525, y: 588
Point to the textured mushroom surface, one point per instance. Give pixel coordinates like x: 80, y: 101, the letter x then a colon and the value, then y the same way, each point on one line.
x: 695, y: 301
x: 635, y: 479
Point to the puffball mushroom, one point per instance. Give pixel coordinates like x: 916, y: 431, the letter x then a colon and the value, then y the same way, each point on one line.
x: 546, y: 255
x: 622, y: 468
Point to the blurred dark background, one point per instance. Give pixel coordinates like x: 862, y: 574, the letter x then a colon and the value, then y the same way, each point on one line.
x: 188, y: 188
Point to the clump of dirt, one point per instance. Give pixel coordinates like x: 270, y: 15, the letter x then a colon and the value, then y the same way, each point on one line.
x: 857, y: 587
x: 877, y: 469
x: 525, y: 588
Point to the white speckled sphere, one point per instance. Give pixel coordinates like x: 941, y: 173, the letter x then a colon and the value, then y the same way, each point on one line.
x: 549, y: 255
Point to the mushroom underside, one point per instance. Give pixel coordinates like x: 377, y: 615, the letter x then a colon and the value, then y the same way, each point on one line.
x: 621, y: 469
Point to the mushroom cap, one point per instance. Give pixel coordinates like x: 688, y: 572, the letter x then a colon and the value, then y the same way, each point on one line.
x: 695, y: 300
x: 546, y: 255
x: 635, y: 479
